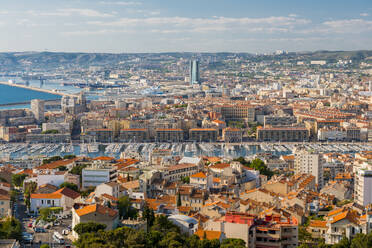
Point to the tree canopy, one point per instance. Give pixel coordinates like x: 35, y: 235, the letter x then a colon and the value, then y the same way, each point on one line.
x: 125, y: 208
x: 17, y: 179
x: 10, y: 228
x: 256, y: 164
x: 69, y: 185
x: 89, y: 227
x: 161, y: 234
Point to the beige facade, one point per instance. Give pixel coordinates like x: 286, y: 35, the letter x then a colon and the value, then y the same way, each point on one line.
x: 203, y: 134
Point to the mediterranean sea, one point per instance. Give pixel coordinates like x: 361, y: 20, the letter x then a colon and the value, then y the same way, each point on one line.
x: 9, y: 94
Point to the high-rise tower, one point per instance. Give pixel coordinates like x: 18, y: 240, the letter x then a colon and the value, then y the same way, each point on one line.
x: 194, y: 72
x: 37, y: 108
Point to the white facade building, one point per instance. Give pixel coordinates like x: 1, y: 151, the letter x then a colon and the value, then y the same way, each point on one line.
x: 37, y: 108
x: 97, y: 174
x: 309, y: 162
x: 363, y: 187
x: 187, y: 225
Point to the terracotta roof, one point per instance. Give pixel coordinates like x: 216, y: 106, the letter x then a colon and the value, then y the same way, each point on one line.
x: 4, y: 197
x: 46, y: 196
x: 220, y: 166
x: 5, y: 184
x: 56, y: 164
x: 318, y: 223
x: 131, y: 184
x: 199, y: 175
x: 68, y: 192
x: 104, y: 158
x: 208, y: 234
x: 214, y: 159
x: 203, y: 129
x: 110, y: 197
x: 96, y: 208
x: 350, y: 215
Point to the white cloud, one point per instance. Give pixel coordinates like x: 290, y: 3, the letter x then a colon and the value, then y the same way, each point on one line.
x: 200, y: 25
x: 122, y: 3
x: 364, y: 14
x: 71, y: 12
x: 348, y: 26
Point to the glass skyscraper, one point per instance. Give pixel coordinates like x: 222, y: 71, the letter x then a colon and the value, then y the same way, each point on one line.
x: 194, y: 72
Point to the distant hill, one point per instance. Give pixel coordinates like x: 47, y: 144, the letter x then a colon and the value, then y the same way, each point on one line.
x: 21, y: 60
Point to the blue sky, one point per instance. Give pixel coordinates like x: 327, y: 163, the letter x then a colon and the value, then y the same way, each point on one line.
x: 185, y: 25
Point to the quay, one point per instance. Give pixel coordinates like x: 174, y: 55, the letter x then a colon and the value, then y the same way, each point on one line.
x: 37, y: 89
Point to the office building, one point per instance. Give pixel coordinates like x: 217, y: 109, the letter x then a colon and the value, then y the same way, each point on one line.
x: 194, y: 72
x: 37, y: 108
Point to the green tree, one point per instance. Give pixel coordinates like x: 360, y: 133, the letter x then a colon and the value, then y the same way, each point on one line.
x: 149, y: 216
x: 303, y: 246
x: 17, y: 179
x: 89, y: 227
x: 69, y: 156
x: 45, y: 246
x: 361, y: 240
x: 10, y: 228
x: 233, y: 243
x: 13, y: 196
x: 185, y: 180
x: 125, y: 208
x: 62, y: 168
x: 69, y: 185
x: 179, y: 202
x: 303, y: 234
x: 344, y: 243
x: 46, y: 214
x: 86, y: 192
x: 30, y: 187
x: 51, y: 159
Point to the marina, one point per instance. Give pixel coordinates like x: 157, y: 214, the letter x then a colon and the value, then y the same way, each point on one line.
x: 144, y: 150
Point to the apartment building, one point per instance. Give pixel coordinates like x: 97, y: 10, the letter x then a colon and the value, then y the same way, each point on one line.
x: 236, y: 112
x: 272, y: 120
x: 134, y: 135
x: 230, y: 134
x: 101, y: 135
x: 284, y: 134
x: 307, y: 161
x: 176, y: 172
x: 270, y: 231
x: 97, y: 174
x: 169, y: 135
x: 363, y: 187
x: 203, y: 134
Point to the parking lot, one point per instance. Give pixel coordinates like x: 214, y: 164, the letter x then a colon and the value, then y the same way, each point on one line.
x: 41, y: 238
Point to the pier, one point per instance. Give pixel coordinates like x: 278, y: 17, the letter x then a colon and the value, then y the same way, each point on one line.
x: 37, y: 89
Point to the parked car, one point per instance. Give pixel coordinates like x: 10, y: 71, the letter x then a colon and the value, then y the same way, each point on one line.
x: 65, y: 231
x: 47, y: 226
x: 39, y: 230
x: 27, y: 237
x: 29, y: 224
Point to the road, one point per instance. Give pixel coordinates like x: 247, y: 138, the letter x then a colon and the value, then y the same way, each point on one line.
x: 39, y: 238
